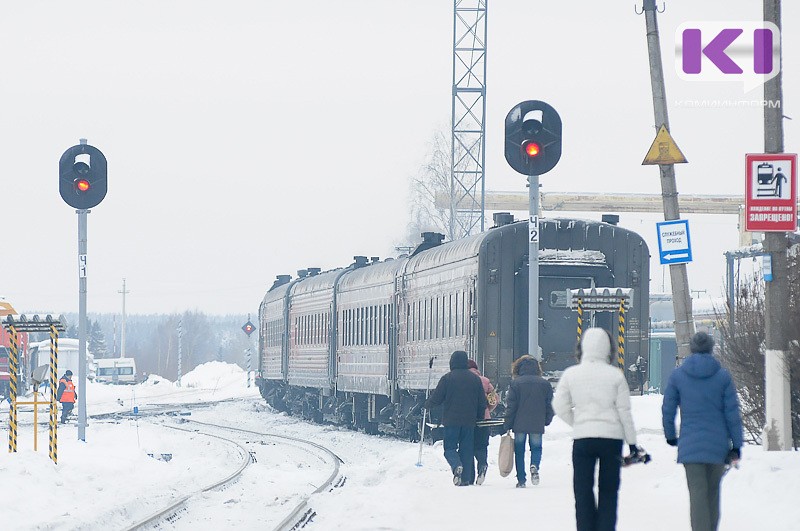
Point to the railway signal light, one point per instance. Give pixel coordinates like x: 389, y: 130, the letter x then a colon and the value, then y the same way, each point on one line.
x: 249, y: 328
x: 533, y: 137
x: 82, y: 176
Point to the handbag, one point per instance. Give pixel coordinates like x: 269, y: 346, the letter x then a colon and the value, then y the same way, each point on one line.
x: 506, y: 458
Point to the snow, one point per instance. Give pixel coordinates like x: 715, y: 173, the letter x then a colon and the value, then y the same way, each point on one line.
x: 110, y: 480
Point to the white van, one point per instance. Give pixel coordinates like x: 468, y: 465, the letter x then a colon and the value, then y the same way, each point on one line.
x: 116, y: 370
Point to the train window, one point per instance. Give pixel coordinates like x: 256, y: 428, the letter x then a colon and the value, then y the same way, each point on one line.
x: 443, y: 316
x: 360, y: 329
x: 374, y: 325
x: 371, y: 334
x: 455, y: 314
x: 418, y: 321
x: 435, y: 319
x: 387, y: 322
x: 348, y: 326
x: 381, y: 313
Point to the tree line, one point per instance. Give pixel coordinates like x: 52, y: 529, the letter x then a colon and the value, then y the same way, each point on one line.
x: 152, y: 340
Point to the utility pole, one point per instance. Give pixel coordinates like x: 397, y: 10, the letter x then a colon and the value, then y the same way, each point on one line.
x: 124, y: 292
x: 681, y: 297
x: 778, y: 430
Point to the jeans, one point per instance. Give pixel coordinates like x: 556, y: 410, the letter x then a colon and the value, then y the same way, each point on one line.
x: 703, y: 481
x: 519, y: 452
x: 481, y: 446
x: 458, y: 450
x: 602, y: 514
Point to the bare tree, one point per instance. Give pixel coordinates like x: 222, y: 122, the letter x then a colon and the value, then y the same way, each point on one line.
x: 743, y: 348
x: 433, y: 179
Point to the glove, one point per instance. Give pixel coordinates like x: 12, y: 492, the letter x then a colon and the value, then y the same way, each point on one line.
x: 672, y: 442
x: 633, y: 449
x: 734, y: 455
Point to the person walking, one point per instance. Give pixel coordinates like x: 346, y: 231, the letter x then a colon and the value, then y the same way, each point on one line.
x: 460, y: 392
x: 481, y: 438
x: 529, y: 410
x: 67, y: 395
x: 711, y: 427
x: 594, y: 399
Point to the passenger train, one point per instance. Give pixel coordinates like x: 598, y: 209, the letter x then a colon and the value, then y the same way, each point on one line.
x: 353, y: 345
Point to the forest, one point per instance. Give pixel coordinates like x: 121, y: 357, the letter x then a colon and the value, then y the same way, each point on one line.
x: 153, y: 340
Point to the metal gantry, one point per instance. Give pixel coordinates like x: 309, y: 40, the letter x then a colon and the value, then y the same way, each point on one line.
x: 468, y: 141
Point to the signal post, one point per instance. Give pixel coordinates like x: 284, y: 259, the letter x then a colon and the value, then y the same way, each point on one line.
x: 83, y: 185
x: 533, y: 147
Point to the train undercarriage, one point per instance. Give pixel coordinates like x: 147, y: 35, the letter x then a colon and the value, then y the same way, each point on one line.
x: 370, y: 413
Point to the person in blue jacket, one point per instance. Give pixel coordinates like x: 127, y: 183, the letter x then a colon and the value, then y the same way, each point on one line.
x: 710, y: 435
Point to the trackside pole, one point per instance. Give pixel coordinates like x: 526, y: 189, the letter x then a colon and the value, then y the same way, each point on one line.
x: 425, y: 411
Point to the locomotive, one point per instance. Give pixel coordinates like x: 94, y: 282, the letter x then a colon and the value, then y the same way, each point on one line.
x: 355, y: 345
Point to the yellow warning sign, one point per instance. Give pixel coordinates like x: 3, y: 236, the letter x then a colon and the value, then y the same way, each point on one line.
x: 664, y: 150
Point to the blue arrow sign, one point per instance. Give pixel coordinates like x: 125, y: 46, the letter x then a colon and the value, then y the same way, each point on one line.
x: 674, y: 244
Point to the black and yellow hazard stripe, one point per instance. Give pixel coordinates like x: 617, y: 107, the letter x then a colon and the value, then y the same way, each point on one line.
x: 621, y: 338
x: 13, y: 369
x: 53, y: 388
x: 580, y: 319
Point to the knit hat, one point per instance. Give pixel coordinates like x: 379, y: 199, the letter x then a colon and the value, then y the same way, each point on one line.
x: 701, y: 342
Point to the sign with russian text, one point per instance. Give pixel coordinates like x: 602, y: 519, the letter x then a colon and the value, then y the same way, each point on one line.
x: 770, y: 198
x: 674, y: 244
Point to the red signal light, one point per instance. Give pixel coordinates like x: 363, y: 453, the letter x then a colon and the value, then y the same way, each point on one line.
x: 532, y: 149
x: 82, y: 185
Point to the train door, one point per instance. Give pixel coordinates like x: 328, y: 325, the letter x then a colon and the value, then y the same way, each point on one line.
x: 557, y: 322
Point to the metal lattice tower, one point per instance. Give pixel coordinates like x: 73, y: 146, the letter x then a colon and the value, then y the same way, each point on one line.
x: 468, y: 118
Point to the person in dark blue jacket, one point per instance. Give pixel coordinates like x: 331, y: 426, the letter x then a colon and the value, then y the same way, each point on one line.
x: 460, y: 392
x: 529, y: 409
x: 711, y: 427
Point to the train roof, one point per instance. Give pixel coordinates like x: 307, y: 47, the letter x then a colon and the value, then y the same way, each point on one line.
x: 316, y: 282
x: 373, y: 274
x: 562, y: 240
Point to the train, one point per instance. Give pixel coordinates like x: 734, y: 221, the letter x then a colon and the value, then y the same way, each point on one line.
x: 361, y: 345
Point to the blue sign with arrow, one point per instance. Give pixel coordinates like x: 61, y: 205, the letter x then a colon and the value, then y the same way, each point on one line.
x: 674, y: 245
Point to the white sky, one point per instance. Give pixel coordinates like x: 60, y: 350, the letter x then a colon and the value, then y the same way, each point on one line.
x: 247, y: 139
x: 652, y: 496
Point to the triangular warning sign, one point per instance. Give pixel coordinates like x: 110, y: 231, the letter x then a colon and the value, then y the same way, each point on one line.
x: 7, y: 309
x: 664, y: 150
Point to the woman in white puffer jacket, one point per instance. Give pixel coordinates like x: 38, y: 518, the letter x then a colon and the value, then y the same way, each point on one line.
x: 594, y: 399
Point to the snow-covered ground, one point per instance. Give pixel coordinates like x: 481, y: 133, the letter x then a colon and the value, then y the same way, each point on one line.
x: 110, y: 480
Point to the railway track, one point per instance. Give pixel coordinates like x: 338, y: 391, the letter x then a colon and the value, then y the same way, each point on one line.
x: 299, y: 513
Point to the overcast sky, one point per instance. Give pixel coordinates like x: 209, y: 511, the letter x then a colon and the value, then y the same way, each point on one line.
x: 247, y: 139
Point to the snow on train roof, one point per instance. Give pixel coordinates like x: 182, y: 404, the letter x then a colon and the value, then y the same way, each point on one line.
x: 582, y: 256
x: 374, y: 274
x: 450, y: 252
x: 316, y: 282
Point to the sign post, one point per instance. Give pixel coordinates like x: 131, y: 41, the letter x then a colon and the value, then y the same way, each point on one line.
x: 771, y: 192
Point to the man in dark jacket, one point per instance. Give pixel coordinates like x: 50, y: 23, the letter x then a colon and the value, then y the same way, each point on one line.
x: 529, y: 410
x: 460, y: 392
x: 711, y: 427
